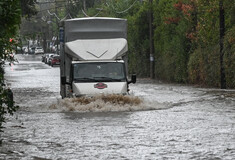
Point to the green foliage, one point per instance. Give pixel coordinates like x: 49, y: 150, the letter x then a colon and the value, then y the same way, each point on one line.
x: 138, y: 41
x: 83, y: 8
x: 9, y: 17
x: 10, y: 14
x: 171, y: 42
x: 229, y: 57
x: 204, y: 66
x: 28, y: 8
x: 208, y: 22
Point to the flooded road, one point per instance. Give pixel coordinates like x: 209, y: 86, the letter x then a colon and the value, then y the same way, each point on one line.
x: 172, y: 122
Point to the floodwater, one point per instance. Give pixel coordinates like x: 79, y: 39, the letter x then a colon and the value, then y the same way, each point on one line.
x: 171, y: 122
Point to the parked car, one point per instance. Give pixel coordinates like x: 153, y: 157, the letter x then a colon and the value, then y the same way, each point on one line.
x: 44, y: 57
x: 55, y: 60
x: 39, y: 50
x: 25, y: 49
x: 49, y: 60
x: 31, y: 50
x: 48, y: 56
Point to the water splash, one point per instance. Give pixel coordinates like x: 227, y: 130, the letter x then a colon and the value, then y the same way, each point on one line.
x: 106, y: 103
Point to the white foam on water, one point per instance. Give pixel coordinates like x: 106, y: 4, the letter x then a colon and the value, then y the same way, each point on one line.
x: 106, y: 104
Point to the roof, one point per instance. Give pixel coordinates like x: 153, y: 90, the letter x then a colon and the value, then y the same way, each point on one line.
x: 90, y: 18
x: 94, y: 28
x: 97, y: 49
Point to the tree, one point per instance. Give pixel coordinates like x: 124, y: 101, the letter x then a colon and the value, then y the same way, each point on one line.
x: 173, y: 38
x: 27, y: 8
x: 10, y: 14
x: 229, y: 45
x: 210, y: 60
x: 10, y: 19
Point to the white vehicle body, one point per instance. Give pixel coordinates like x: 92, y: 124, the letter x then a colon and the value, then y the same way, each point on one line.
x: 39, y: 50
x: 25, y: 49
x: 92, y: 77
x: 94, y: 57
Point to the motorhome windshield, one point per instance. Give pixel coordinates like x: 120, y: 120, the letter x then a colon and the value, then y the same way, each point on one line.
x: 99, y: 72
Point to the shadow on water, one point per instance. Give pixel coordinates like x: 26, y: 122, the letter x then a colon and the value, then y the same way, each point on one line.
x: 222, y: 93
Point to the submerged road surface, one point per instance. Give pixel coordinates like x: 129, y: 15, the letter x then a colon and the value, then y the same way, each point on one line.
x: 172, y: 121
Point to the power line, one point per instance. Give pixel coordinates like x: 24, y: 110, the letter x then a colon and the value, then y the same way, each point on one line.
x: 120, y: 12
x: 51, y: 8
x: 92, y: 16
x: 48, y: 2
x: 84, y: 8
x: 53, y: 14
x: 85, y: 13
x: 68, y: 15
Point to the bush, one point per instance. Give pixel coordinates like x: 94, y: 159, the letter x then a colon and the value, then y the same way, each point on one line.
x: 229, y: 57
x: 10, y: 15
x: 204, y: 66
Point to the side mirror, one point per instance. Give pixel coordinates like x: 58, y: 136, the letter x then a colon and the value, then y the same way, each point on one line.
x: 133, y: 79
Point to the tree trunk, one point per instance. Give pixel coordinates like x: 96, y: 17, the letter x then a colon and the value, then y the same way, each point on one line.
x: 151, y: 55
x: 222, y: 33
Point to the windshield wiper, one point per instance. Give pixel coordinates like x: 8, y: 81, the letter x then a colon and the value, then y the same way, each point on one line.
x: 83, y: 79
x: 108, y: 79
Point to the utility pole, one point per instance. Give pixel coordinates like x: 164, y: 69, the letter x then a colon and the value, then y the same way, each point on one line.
x: 57, y: 28
x: 222, y: 33
x: 151, y: 53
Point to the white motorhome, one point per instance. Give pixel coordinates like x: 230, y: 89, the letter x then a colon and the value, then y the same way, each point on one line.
x: 94, y: 57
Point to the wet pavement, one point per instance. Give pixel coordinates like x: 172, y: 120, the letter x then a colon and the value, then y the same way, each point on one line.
x: 172, y: 122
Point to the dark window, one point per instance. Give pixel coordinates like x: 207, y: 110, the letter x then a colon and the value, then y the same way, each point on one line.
x: 99, y: 72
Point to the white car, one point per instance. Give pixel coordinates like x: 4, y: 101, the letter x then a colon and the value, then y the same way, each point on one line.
x: 25, y: 49
x: 39, y: 50
x: 47, y: 57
